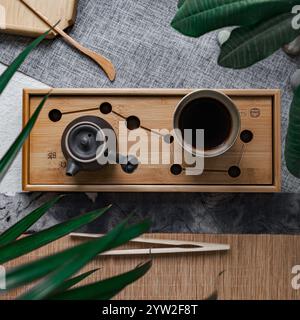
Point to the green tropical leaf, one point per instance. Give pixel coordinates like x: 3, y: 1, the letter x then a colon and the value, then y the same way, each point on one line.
x: 105, y: 289
x: 12, y: 152
x: 197, y: 17
x: 248, y: 45
x: 40, y: 268
x: 37, y: 240
x: 72, y: 282
x: 73, y: 265
x: 292, y: 146
x: 11, y: 70
x: 20, y: 227
x: 180, y: 3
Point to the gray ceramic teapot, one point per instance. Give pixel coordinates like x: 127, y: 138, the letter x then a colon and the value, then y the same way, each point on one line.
x: 85, y: 146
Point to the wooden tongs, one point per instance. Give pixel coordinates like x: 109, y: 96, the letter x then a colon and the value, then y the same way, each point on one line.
x: 173, y: 246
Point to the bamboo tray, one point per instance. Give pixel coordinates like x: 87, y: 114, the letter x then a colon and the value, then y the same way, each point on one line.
x: 259, y: 160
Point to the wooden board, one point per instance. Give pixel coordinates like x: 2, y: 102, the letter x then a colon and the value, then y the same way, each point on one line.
x: 256, y: 267
x: 20, y: 20
x: 259, y: 160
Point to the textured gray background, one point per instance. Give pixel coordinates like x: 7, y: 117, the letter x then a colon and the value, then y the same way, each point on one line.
x: 147, y: 52
x: 208, y: 213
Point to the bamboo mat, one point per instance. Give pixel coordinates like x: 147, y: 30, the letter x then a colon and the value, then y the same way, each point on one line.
x: 256, y: 267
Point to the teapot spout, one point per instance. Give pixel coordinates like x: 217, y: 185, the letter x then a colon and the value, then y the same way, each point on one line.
x: 72, y: 168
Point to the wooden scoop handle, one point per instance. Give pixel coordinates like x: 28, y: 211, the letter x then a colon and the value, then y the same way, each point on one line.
x: 103, y: 62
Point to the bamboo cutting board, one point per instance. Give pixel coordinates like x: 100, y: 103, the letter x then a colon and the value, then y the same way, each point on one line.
x: 256, y: 267
x: 20, y: 20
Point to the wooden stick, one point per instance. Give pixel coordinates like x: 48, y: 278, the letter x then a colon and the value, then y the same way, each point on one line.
x: 103, y: 62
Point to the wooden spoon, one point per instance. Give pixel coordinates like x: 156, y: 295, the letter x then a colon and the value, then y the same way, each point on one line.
x: 103, y: 62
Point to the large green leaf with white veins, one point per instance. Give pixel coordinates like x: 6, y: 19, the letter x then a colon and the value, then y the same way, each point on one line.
x: 248, y: 45
x: 292, y: 147
x: 197, y: 17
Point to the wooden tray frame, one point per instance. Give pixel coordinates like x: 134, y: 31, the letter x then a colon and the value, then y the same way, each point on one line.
x: 274, y: 187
